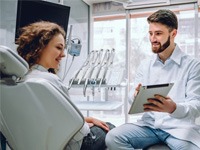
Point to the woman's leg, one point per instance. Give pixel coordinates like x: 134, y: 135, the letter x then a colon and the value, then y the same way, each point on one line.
x: 130, y: 136
x: 95, y: 140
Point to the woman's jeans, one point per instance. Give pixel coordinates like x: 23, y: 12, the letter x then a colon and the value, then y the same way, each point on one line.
x: 130, y: 137
x: 95, y: 140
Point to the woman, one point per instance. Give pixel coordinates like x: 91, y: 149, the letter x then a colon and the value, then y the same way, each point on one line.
x: 42, y: 45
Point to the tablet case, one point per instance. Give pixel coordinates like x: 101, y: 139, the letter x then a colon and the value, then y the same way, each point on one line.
x: 147, y: 92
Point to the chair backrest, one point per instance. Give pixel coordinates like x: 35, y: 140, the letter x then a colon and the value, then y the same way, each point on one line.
x: 35, y: 115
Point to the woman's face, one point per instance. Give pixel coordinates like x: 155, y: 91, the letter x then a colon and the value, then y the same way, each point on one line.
x: 52, y: 54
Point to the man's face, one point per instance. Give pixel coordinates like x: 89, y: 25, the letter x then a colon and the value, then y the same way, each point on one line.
x: 159, y: 36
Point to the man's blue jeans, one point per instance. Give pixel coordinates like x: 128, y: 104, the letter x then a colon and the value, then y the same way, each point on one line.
x: 130, y: 137
x: 95, y: 140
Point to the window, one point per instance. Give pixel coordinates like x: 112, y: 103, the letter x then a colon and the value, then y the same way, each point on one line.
x: 110, y: 32
x: 140, y: 45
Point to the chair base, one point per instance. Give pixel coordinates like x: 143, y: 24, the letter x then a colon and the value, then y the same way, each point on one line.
x: 3, y: 142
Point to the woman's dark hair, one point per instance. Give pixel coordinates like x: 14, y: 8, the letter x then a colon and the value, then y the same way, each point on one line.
x: 165, y: 17
x: 34, y: 38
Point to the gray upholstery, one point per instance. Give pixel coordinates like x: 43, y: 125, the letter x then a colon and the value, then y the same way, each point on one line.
x: 11, y: 63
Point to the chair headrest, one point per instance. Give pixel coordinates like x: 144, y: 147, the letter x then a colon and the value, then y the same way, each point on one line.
x: 11, y: 64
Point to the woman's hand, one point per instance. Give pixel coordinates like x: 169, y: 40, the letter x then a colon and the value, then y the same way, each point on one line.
x: 93, y: 121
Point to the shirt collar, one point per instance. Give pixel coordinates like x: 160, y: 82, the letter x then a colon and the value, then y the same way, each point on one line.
x: 39, y: 67
x: 176, y: 56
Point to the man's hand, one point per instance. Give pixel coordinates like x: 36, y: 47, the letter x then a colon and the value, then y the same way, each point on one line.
x: 137, y: 89
x: 160, y: 104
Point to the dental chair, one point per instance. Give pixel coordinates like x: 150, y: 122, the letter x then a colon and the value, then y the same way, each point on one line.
x: 34, y: 115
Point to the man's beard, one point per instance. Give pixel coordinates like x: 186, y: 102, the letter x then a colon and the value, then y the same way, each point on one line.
x: 161, y: 47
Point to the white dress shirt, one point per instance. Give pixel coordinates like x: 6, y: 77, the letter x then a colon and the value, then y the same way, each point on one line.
x: 184, y: 72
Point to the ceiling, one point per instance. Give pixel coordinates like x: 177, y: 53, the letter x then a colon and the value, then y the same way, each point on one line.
x: 89, y: 2
x: 128, y: 4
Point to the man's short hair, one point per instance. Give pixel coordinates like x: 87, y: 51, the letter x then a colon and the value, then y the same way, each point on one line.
x: 165, y: 17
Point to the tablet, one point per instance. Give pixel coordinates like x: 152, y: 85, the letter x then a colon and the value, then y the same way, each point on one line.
x: 147, y: 92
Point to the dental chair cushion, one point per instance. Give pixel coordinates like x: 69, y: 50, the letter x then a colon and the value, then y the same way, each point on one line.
x: 9, y: 63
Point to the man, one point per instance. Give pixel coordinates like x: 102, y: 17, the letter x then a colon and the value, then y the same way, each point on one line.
x: 170, y: 119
